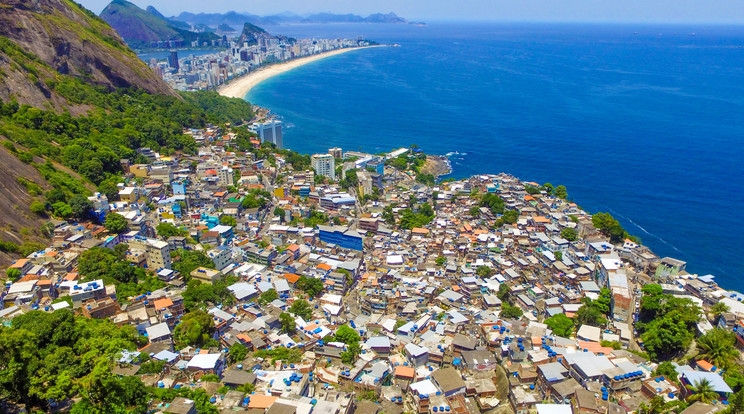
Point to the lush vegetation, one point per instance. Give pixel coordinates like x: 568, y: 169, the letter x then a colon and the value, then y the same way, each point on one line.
x: 116, y: 125
x: 610, y: 227
x: 595, y: 312
x: 493, y: 202
x: 351, y: 338
x: 561, y: 325
x: 409, y: 219
x: 666, y: 323
x: 109, y: 266
x: 48, y: 357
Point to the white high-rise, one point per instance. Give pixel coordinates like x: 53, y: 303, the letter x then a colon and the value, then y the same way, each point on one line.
x: 269, y: 131
x: 325, y: 165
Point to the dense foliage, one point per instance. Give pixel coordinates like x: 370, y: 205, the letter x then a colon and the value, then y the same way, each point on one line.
x: 561, y: 325
x: 610, y: 227
x: 47, y: 357
x: 116, y: 124
x: 666, y: 323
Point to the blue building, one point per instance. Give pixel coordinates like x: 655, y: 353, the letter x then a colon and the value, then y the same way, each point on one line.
x: 342, y: 237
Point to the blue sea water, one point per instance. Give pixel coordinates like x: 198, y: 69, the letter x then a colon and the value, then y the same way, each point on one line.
x: 644, y: 122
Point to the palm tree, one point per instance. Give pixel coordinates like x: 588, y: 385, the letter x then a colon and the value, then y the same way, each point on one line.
x: 717, y: 309
x: 702, y: 391
x: 717, y: 347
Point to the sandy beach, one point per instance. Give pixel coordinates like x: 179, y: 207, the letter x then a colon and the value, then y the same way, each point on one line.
x: 239, y: 87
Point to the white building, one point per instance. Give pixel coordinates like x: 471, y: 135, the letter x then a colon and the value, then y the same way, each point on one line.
x: 226, y: 175
x: 157, y: 254
x: 324, y: 164
x: 268, y: 131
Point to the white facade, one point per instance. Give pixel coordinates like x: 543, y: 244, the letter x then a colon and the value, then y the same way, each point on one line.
x: 157, y: 254
x: 226, y: 175
x: 324, y: 164
x: 269, y: 131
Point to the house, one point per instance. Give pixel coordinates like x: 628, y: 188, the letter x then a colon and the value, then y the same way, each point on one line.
x: 181, y: 405
x: 690, y: 379
x: 449, y: 381
x: 158, y: 333
x: 207, y: 363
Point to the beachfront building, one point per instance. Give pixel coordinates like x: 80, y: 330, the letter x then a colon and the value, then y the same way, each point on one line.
x: 268, y: 131
x: 325, y: 165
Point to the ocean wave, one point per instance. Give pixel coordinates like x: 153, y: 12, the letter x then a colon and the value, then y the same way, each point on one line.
x: 644, y: 230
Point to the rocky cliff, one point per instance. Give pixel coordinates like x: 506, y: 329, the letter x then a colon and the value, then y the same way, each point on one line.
x: 43, y: 39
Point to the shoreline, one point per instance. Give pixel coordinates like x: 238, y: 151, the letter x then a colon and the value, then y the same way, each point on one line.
x: 239, y: 88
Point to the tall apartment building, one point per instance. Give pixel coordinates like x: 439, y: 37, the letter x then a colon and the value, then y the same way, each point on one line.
x: 324, y: 164
x: 226, y: 175
x: 269, y: 131
x: 157, y: 253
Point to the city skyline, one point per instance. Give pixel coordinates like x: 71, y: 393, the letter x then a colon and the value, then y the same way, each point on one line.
x: 633, y: 11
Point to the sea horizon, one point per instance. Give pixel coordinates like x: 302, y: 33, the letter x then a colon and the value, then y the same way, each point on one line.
x: 567, y: 86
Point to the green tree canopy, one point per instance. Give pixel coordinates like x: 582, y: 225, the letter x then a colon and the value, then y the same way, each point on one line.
x: 310, y: 285
x: 301, y: 308
x: 166, y: 230
x: 570, y: 234
x: 561, y: 325
x: 288, y: 323
x: 196, y: 329
x: 116, y: 223
x: 718, y: 346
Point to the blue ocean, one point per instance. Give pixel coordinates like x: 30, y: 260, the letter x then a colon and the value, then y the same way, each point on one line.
x: 643, y: 122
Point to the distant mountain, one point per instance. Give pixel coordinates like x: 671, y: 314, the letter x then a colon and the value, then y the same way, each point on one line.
x: 251, y: 33
x: 140, y: 28
x: 236, y: 19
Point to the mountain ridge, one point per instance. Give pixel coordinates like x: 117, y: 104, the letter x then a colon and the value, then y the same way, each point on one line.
x: 236, y: 18
x: 140, y: 28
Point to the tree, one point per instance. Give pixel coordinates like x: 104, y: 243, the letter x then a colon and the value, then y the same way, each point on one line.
x: 718, y: 346
x: 302, y: 309
x: 483, y: 271
x: 702, y: 391
x: 561, y: 325
x: 548, y: 188
x: 310, y: 285
x: 13, y: 274
x: 736, y: 402
x: 440, y: 261
x: 279, y: 212
x: 195, y: 329
x: 228, y: 221
x: 493, y: 202
x: 167, y: 230
x: 666, y: 369
x: 560, y: 192
x: 718, y: 309
x: 81, y: 206
x: 38, y: 208
x: 116, y: 223
x: 589, y: 315
x: 347, y: 335
x: 62, y: 210
x: 237, y: 353
x: 570, y: 234
x: 268, y: 296
x: 509, y: 311
x: 504, y: 292
x: 474, y: 211
x: 288, y: 323
x: 190, y: 260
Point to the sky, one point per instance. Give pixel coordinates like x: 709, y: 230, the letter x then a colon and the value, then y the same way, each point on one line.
x: 652, y: 11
